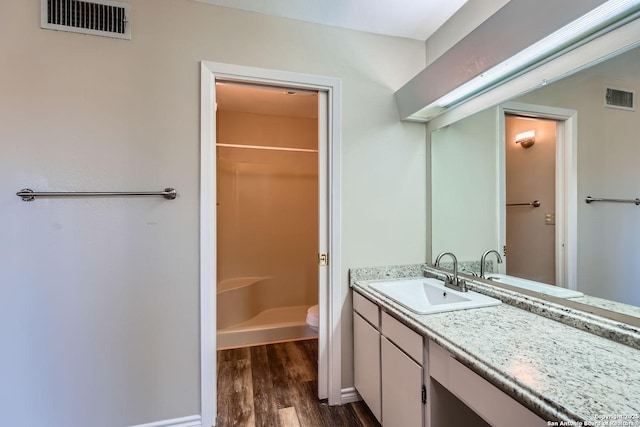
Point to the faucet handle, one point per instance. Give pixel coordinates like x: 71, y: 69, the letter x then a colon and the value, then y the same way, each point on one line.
x: 448, y: 279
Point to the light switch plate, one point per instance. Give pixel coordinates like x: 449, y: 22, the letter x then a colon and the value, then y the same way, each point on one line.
x: 549, y: 218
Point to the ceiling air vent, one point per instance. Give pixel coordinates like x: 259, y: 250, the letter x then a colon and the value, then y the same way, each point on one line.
x: 619, y: 98
x: 97, y: 17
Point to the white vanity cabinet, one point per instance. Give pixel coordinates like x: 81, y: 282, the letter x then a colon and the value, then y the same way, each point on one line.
x: 366, y: 353
x: 402, y: 375
x: 397, y: 370
x: 388, y: 371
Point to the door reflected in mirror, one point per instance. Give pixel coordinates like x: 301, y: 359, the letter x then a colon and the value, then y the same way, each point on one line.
x: 530, y: 172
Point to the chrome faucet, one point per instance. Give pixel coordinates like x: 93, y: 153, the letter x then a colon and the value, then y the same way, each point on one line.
x: 483, y: 260
x: 455, y: 282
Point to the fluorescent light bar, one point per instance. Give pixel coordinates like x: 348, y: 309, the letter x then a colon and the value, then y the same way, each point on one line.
x: 568, y: 34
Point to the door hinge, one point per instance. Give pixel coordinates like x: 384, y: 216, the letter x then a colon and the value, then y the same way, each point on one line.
x: 424, y: 395
x: 504, y: 250
x: 323, y: 259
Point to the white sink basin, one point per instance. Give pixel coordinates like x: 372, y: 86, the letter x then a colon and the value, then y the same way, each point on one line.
x: 426, y: 296
x: 543, y: 288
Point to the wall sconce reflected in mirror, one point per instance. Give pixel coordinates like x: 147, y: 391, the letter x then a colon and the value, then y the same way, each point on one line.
x: 526, y: 139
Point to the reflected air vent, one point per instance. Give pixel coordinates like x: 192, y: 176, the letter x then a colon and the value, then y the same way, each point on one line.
x: 98, y: 17
x: 619, y: 98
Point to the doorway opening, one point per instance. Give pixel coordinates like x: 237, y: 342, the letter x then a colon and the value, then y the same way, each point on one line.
x: 267, y: 214
x: 530, y: 169
x: 329, y: 94
x: 538, y: 188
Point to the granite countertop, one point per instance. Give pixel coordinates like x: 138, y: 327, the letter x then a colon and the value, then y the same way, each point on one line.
x: 616, y: 307
x: 559, y: 372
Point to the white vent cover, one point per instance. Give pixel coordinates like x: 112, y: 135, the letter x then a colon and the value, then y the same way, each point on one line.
x: 619, y: 98
x: 96, y: 17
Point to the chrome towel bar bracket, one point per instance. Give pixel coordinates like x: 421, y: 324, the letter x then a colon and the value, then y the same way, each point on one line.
x: 29, y: 195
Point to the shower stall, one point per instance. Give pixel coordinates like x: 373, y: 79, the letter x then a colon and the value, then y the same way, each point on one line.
x: 267, y: 214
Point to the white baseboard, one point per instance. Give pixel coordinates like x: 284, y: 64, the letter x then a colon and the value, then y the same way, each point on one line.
x: 350, y: 395
x: 192, y: 421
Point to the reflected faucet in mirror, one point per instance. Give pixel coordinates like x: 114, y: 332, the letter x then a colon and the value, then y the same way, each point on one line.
x: 452, y: 282
x: 483, y: 260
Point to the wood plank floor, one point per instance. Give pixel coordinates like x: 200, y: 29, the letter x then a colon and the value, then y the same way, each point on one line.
x: 277, y: 385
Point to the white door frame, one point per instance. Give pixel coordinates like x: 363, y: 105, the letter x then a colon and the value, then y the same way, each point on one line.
x: 566, y: 184
x: 329, y: 350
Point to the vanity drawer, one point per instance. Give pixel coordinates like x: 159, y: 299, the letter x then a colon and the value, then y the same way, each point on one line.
x: 368, y: 310
x: 410, y: 342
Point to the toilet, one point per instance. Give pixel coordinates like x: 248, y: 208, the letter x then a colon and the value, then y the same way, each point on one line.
x: 312, y: 317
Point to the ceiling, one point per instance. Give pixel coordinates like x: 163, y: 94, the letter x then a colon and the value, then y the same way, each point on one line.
x: 414, y: 19
x: 266, y: 100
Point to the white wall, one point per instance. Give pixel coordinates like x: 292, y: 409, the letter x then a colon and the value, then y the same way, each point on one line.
x: 99, y: 307
x: 464, y: 190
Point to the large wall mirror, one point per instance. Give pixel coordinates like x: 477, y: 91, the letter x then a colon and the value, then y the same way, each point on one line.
x: 514, y: 177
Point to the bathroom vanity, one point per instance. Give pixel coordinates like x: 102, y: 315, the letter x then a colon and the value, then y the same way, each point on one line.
x: 547, y: 355
x: 498, y: 365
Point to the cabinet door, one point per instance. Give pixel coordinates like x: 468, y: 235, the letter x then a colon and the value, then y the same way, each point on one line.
x: 366, y: 358
x: 401, y: 388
